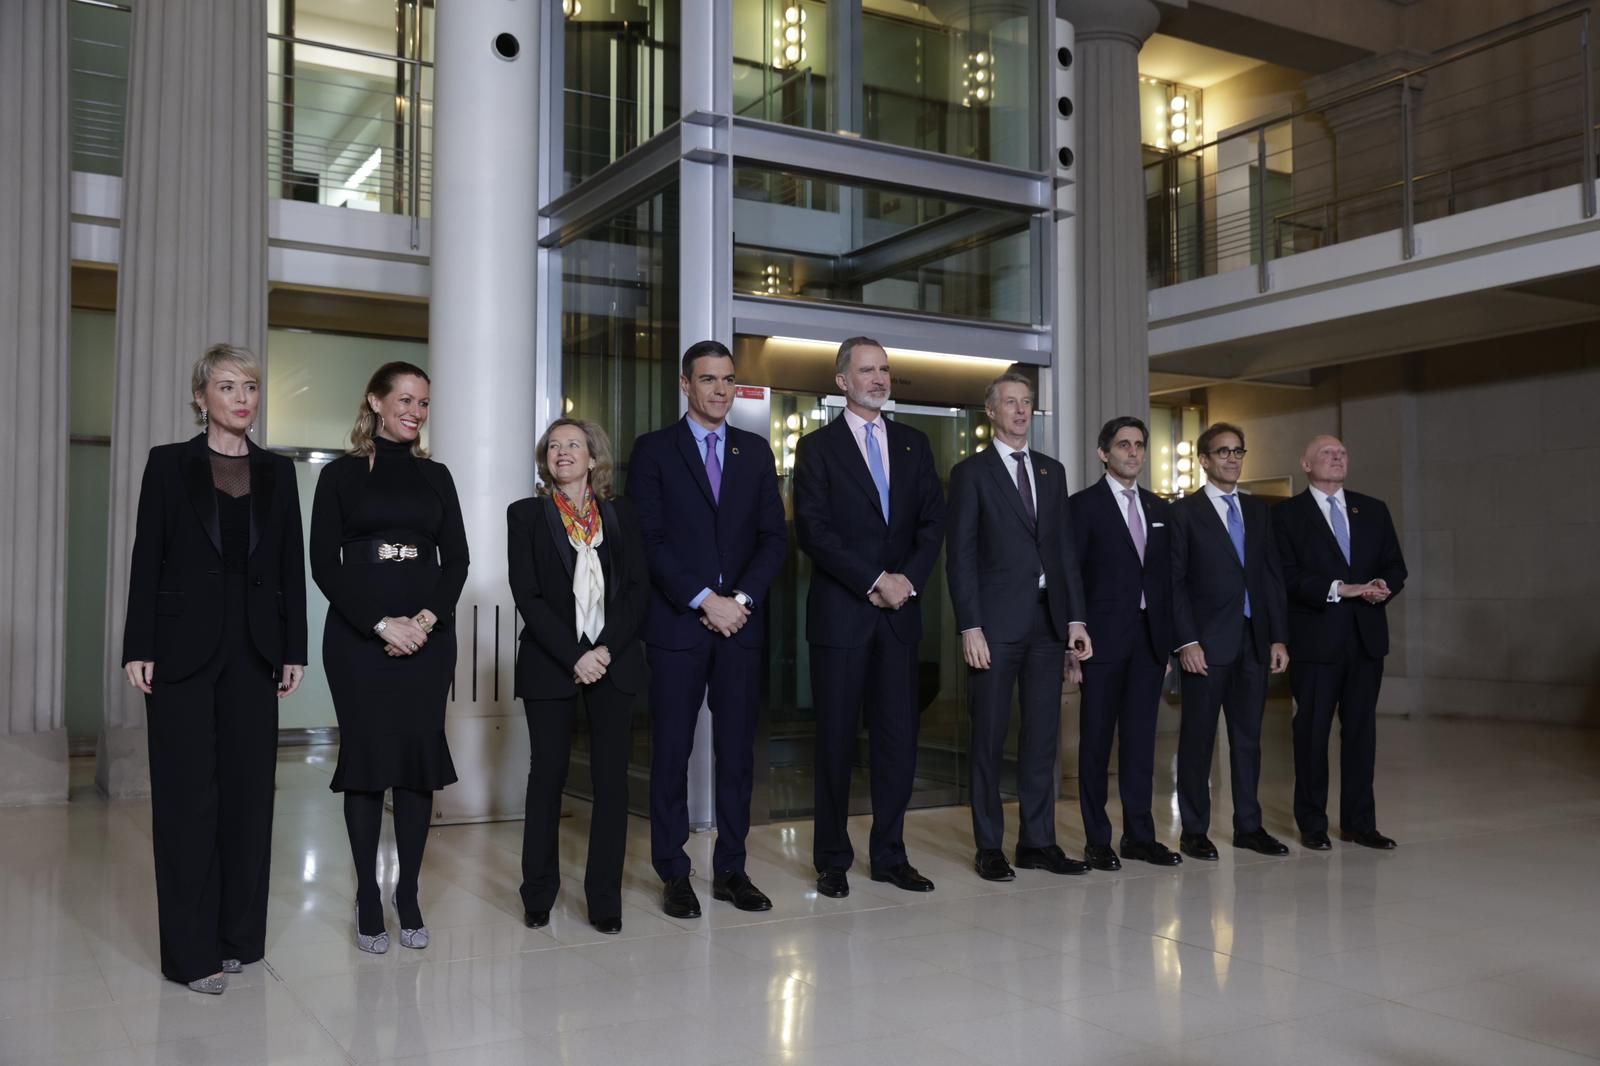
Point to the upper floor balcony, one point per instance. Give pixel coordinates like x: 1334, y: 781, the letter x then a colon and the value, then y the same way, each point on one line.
x: 1414, y: 201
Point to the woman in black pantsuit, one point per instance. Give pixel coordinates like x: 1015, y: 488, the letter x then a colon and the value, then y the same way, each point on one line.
x: 579, y: 580
x: 215, y: 636
x: 389, y: 551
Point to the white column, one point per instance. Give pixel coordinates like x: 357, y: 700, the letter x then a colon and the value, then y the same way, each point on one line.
x: 35, y: 283
x: 193, y: 272
x: 481, y: 324
x: 1112, y: 307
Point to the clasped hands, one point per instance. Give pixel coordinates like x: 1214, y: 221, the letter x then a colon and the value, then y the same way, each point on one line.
x: 723, y: 615
x: 1374, y: 591
x: 406, y: 636
x: 891, y: 592
x: 592, y: 665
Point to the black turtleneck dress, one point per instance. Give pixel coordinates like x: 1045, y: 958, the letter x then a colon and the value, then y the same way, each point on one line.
x: 391, y: 709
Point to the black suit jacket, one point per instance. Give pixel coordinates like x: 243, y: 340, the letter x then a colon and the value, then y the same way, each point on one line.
x: 541, y: 562
x: 994, y: 559
x: 1208, y: 584
x: 692, y: 542
x: 839, y: 523
x: 1312, y: 561
x: 1114, y: 578
x: 175, y: 584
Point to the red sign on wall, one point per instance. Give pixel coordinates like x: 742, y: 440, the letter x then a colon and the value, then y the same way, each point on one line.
x: 750, y: 392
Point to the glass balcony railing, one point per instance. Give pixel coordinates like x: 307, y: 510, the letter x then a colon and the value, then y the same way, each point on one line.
x: 1494, y: 119
x: 346, y: 127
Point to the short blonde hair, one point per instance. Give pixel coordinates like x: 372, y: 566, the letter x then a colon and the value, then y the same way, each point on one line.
x: 218, y: 356
x: 599, y: 450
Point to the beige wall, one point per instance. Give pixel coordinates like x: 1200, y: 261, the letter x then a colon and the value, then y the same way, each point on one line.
x: 1487, y: 456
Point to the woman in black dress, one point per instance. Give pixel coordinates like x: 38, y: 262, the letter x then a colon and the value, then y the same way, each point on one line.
x: 579, y: 579
x: 215, y: 636
x: 389, y: 551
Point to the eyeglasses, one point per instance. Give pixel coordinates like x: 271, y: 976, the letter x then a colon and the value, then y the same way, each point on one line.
x: 1228, y: 453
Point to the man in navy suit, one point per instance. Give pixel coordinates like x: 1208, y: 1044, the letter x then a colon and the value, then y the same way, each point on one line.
x: 1341, y: 565
x: 714, y: 538
x: 869, y: 511
x: 1013, y: 569
x: 1228, y: 620
x: 1125, y: 555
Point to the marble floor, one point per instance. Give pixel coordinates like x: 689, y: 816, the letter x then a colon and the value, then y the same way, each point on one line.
x: 1478, y: 941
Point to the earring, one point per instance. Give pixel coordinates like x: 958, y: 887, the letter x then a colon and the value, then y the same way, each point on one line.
x: 252, y: 428
x: 205, y: 419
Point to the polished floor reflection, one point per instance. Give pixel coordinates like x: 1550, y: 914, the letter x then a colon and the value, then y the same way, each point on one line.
x: 1477, y: 942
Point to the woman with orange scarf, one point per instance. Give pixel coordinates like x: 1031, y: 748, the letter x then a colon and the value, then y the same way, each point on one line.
x: 578, y: 577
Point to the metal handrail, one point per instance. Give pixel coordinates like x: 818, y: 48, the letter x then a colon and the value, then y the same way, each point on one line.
x: 348, y: 50
x: 1185, y: 218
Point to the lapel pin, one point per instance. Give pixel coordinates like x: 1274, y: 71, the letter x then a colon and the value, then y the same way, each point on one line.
x: 1355, y: 510
x: 735, y: 450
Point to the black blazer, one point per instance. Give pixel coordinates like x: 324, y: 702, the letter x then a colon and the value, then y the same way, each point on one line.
x: 175, y: 584
x: 838, y: 521
x: 994, y: 558
x: 541, y: 561
x: 691, y: 542
x: 1114, y: 578
x: 1208, y: 584
x: 1312, y: 562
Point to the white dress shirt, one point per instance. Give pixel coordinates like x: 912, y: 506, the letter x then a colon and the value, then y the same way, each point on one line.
x: 1322, y: 499
x: 1117, y: 489
x: 1006, y: 452
x: 858, y: 432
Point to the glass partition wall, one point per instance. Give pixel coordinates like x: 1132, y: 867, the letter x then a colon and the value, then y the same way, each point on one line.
x: 864, y: 167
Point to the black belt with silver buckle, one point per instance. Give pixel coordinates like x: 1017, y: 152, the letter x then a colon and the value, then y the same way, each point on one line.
x: 378, y: 550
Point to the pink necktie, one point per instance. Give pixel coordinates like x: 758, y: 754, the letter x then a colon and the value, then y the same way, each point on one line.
x: 1135, y: 527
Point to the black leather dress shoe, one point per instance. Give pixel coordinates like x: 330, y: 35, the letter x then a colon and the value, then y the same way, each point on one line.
x: 610, y: 926
x: 1151, y: 851
x: 678, y: 899
x: 833, y: 884
x: 1051, y: 858
x: 1101, y: 857
x: 992, y: 866
x: 740, y: 891
x: 1260, y: 841
x: 1368, y: 838
x: 535, y: 919
x: 1198, y: 846
x: 904, y: 876
x: 1317, y: 841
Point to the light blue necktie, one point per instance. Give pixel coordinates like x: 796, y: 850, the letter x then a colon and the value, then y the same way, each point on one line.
x: 1236, y: 534
x: 1341, y: 531
x: 880, y: 477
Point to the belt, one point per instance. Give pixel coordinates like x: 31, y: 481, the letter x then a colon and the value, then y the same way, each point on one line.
x: 377, y: 550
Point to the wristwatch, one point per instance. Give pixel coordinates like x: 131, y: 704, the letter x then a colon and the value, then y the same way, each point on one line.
x: 743, y: 600
x: 383, y: 623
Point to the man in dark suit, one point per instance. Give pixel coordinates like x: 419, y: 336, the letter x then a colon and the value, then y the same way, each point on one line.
x: 1228, y: 619
x: 1013, y: 571
x: 1122, y: 537
x: 714, y: 538
x: 869, y: 511
x: 1341, y: 564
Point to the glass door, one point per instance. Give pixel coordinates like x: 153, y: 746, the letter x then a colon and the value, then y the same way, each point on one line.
x: 790, y: 733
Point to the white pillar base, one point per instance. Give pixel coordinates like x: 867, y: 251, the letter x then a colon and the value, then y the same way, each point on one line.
x: 491, y: 759
x: 33, y: 768
x: 122, y: 762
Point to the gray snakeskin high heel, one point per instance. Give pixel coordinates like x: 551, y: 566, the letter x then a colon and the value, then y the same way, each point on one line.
x: 214, y: 985
x: 411, y: 938
x: 372, y: 945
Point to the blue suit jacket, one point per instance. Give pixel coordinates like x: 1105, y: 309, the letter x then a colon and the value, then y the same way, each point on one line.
x: 1114, y: 579
x: 692, y: 542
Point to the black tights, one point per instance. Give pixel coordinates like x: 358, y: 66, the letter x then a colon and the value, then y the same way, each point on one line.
x: 363, y: 817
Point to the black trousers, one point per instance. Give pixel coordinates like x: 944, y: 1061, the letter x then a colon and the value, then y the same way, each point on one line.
x: 550, y: 724
x: 1239, y: 690
x: 727, y: 676
x: 1120, y: 699
x: 1321, y: 690
x: 1034, y: 666
x: 213, y: 755
x: 881, y: 674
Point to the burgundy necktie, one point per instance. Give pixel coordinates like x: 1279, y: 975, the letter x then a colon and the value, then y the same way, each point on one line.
x: 1025, y: 487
